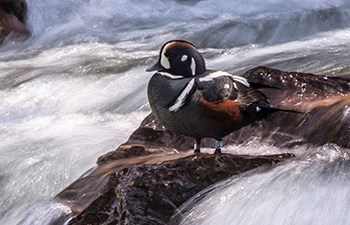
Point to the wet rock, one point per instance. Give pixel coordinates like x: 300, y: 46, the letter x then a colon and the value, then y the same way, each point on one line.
x: 146, y: 179
x: 293, y: 90
x: 315, y: 97
x: 150, y: 193
x: 127, y: 151
x: 322, y: 102
x: 12, y: 20
x: 87, y: 188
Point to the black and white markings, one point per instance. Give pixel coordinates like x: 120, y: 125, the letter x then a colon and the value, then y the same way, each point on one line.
x: 193, y: 66
x: 171, y: 76
x: 185, y: 94
x: 164, y: 61
x: 180, y: 101
x: 217, y: 74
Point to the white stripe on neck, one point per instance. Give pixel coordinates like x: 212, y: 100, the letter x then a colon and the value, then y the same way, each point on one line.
x: 171, y: 76
x: 180, y: 101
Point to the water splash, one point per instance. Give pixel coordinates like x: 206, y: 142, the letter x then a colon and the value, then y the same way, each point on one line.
x: 298, y: 192
x: 46, y: 212
x: 59, y: 23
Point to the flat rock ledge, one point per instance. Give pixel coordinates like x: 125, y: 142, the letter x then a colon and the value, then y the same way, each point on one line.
x: 151, y: 193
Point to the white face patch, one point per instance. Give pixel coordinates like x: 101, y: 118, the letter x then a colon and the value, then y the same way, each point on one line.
x: 180, y: 101
x: 164, y: 61
x: 258, y: 109
x: 184, y: 58
x: 193, y: 67
x: 226, y: 86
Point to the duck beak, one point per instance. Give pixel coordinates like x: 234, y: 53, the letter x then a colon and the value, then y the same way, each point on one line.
x: 155, y: 67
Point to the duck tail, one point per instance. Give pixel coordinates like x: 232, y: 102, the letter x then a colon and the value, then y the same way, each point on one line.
x: 261, y: 110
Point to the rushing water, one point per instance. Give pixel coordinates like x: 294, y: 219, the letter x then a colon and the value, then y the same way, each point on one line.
x: 313, y: 192
x: 77, y: 87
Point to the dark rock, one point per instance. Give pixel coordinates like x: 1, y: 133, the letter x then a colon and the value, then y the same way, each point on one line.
x: 13, y: 14
x: 293, y: 90
x: 323, y: 102
x: 316, y: 97
x: 144, y: 182
x: 150, y: 193
x: 87, y: 188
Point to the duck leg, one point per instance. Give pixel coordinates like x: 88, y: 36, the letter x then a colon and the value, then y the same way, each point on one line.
x: 197, y: 146
x: 218, y: 146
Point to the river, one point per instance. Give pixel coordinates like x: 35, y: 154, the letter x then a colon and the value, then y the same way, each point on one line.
x: 77, y: 89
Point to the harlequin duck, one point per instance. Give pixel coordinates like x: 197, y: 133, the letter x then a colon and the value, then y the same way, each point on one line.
x: 190, y: 100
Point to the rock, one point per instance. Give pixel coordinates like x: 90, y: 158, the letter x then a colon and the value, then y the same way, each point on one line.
x: 146, y: 179
x: 127, y: 151
x: 323, y: 102
x: 82, y: 192
x: 150, y: 193
x: 293, y: 90
x: 12, y: 23
x: 316, y: 97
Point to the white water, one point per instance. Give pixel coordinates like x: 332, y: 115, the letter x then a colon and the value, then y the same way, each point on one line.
x: 314, y: 191
x: 77, y: 87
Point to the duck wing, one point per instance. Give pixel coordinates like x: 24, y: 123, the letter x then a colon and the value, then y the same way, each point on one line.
x: 220, y: 86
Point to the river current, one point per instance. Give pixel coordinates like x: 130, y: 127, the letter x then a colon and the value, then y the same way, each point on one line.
x: 77, y: 89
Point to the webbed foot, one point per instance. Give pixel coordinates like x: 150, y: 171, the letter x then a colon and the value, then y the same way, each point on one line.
x: 218, y: 145
x: 197, y: 146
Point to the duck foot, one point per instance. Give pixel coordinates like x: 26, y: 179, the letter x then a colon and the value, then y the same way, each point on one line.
x: 218, y: 145
x: 197, y: 146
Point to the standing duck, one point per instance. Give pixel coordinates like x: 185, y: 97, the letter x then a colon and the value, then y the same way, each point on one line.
x: 190, y: 100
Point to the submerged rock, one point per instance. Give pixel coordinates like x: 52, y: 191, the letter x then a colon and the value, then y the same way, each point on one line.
x: 150, y: 193
x: 12, y: 23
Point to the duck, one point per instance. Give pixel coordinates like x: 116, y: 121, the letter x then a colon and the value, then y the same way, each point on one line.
x: 191, y: 100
